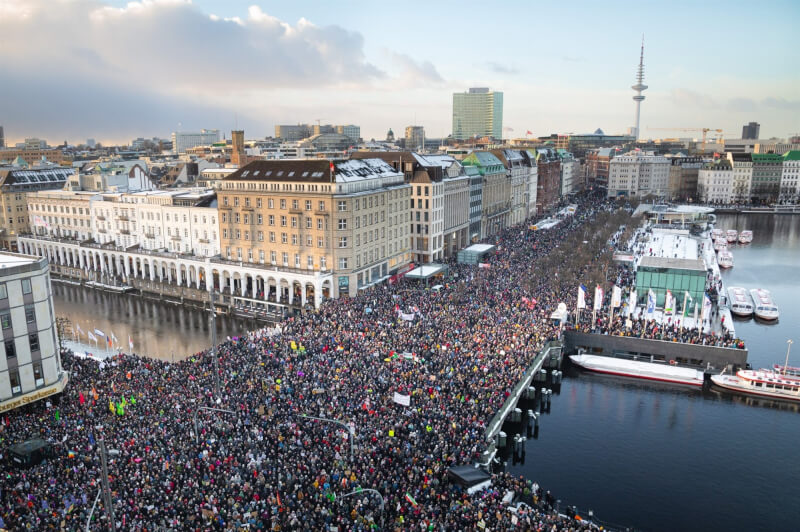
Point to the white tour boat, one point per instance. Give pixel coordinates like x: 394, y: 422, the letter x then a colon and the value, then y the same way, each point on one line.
x: 732, y: 235
x: 786, y: 370
x: 720, y: 244
x: 653, y: 371
x: 717, y: 234
x: 762, y: 382
x: 725, y: 259
x: 765, y: 308
x: 739, y: 301
x: 745, y: 237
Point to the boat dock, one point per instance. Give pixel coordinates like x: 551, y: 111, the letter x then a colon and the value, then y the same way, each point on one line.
x: 550, y: 357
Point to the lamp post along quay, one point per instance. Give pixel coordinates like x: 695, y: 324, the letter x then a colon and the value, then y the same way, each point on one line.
x: 349, y: 427
x: 359, y: 491
x: 196, y: 422
x: 105, y: 488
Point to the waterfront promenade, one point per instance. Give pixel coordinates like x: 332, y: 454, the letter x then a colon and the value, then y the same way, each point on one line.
x: 264, y: 465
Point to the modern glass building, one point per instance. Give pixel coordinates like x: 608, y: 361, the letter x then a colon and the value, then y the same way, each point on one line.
x: 478, y: 112
x: 660, y: 274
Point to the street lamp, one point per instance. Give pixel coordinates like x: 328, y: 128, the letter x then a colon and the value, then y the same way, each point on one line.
x: 196, y: 412
x: 366, y: 490
x: 213, y: 325
x: 104, y: 488
x: 351, y: 430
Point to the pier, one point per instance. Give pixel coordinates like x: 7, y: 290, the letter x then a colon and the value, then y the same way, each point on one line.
x: 549, y: 357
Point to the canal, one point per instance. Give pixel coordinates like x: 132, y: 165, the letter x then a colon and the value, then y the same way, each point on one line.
x: 658, y: 457
x: 157, y: 329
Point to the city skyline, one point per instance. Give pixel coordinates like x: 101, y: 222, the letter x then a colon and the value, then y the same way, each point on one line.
x: 251, y: 65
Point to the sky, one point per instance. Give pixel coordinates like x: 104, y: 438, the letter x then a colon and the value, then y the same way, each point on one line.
x: 114, y: 70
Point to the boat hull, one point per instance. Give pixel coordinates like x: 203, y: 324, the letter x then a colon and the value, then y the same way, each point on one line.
x: 639, y: 370
x: 733, y: 384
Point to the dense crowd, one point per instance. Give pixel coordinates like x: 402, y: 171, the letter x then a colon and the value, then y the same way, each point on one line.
x: 267, y: 467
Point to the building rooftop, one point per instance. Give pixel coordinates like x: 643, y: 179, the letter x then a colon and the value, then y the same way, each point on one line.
x: 676, y: 264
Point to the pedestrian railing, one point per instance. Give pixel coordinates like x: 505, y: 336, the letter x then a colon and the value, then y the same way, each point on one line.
x: 552, y: 347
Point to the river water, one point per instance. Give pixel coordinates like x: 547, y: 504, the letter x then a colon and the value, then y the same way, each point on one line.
x: 159, y: 330
x: 657, y: 457
x: 649, y: 456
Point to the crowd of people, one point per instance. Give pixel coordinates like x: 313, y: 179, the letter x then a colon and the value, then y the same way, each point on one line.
x: 262, y: 464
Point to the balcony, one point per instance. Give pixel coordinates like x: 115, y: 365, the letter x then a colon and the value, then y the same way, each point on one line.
x: 296, y: 211
x: 204, y: 240
x: 149, y: 235
x: 124, y: 232
x: 101, y: 218
x: 123, y: 218
x: 176, y: 238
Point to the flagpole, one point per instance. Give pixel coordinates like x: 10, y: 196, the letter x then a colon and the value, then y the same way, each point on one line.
x: 683, y: 308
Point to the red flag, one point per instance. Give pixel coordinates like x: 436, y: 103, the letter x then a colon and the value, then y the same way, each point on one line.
x: 81, y: 399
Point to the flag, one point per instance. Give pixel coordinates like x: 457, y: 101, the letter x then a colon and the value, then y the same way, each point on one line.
x: 706, y: 307
x: 598, y: 298
x: 695, y: 314
x: 80, y: 331
x: 98, y: 332
x: 616, y: 297
x: 411, y: 500
x: 114, y: 338
x: 529, y: 132
x: 668, y: 303
x: 689, y: 301
x: 632, y: 300
x: 581, y: 297
x: 109, y: 341
x: 130, y: 342
x: 651, y: 302
x: 91, y: 336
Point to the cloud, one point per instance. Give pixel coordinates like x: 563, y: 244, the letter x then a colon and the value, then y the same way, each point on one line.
x: 415, y: 73
x: 166, y: 51
x: 499, y: 68
x: 744, y: 105
x: 690, y: 98
x: 781, y: 103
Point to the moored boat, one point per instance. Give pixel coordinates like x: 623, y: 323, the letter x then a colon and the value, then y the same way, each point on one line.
x: 653, y: 371
x: 725, y: 259
x: 762, y: 383
x: 739, y: 301
x: 720, y: 244
x: 732, y: 235
x: 764, y: 307
x: 717, y: 234
x: 745, y: 237
x: 786, y: 370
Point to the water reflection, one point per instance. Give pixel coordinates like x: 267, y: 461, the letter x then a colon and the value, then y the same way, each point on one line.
x: 157, y: 329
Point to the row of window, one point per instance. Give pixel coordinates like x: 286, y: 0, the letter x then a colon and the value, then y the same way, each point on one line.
x: 11, y: 346
x: 26, y: 288
x: 13, y: 377
x: 30, y: 317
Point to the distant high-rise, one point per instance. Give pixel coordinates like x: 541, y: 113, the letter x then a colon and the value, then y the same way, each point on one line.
x: 751, y: 130
x: 639, y: 87
x: 415, y: 138
x: 477, y: 113
x: 2, y: 138
x: 182, y: 141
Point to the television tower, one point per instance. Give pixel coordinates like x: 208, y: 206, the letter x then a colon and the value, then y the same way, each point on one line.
x: 639, y: 87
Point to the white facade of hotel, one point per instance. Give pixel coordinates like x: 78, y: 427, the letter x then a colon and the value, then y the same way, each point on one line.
x: 638, y: 174
x: 715, y: 184
x: 790, y: 180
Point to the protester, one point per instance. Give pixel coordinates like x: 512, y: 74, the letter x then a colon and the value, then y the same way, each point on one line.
x: 454, y: 355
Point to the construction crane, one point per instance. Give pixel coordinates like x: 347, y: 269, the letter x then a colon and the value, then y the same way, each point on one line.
x: 705, y: 130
